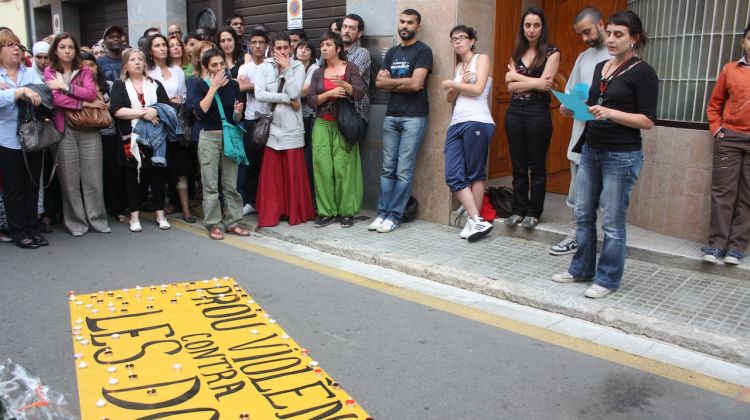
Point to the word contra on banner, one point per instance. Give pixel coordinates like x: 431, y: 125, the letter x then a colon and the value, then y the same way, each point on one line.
x: 200, y: 349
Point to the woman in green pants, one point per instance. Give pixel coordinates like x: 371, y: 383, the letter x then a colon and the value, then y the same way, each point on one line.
x: 336, y: 164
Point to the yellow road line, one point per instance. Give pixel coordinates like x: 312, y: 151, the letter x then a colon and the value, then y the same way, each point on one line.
x: 576, y: 344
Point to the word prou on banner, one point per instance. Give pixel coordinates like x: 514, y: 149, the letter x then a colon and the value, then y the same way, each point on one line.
x: 195, y: 350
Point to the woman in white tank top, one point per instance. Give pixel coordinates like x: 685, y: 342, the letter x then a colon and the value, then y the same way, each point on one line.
x: 470, y: 131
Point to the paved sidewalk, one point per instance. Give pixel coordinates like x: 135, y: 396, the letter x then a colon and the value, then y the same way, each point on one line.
x: 693, y: 309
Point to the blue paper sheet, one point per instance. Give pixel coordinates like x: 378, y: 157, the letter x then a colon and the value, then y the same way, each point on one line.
x: 574, y: 103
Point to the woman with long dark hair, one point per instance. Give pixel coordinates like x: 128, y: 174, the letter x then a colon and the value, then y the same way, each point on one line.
x: 231, y: 45
x: 622, y: 98
x: 336, y: 163
x: 20, y: 195
x: 528, y: 123
x: 80, y: 151
x: 179, y: 156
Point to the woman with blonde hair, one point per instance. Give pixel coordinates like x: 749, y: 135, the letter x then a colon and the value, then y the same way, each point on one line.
x: 131, y: 101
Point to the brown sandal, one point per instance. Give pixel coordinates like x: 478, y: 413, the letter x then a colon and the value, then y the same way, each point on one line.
x: 238, y: 230
x: 215, y: 233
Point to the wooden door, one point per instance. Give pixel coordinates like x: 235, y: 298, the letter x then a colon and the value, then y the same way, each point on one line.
x: 559, y: 15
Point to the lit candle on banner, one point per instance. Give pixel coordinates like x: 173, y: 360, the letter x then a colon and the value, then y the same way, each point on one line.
x: 200, y: 345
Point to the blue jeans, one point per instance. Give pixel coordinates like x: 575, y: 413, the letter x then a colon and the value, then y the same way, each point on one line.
x: 401, y: 139
x: 605, y: 179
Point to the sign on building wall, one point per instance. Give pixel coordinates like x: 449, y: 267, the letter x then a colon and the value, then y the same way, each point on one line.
x: 56, y: 29
x: 294, y: 14
x: 201, y: 349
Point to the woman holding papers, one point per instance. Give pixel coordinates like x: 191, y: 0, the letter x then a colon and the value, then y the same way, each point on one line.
x: 622, y: 98
x: 528, y: 123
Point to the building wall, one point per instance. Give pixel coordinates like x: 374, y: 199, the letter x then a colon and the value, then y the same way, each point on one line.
x: 143, y: 14
x: 14, y: 17
x: 672, y: 195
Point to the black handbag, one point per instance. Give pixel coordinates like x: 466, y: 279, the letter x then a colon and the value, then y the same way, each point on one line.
x: 262, y: 127
x: 350, y: 123
x: 36, y: 132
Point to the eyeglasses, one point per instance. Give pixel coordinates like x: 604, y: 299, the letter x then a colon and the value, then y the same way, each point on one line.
x: 174, y: 33
x: 459, y: 38
x: 12, y: 44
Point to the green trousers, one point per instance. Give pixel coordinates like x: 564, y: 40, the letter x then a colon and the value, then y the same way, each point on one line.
x: 337, y: 170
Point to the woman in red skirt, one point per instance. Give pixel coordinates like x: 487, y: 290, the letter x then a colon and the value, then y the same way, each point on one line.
x: 283, y: 187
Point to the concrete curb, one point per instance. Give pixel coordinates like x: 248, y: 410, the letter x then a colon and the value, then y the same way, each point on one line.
x: 731, y: 349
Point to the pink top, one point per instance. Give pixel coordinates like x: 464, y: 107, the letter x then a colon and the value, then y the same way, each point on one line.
x: 82, y: 89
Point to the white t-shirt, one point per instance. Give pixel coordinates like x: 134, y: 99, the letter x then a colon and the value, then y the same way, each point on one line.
x: 175, y: 85
x: 251, y: 71
x: 583, y: 72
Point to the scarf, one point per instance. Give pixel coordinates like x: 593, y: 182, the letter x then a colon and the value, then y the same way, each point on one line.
x: 149, y: 95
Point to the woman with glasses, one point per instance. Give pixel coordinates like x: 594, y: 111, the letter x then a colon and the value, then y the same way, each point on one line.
x: 19, y: 190
x: 80, y: 151
x: 471, y: 130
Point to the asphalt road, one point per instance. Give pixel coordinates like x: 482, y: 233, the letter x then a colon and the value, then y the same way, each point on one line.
x: 399, y: 359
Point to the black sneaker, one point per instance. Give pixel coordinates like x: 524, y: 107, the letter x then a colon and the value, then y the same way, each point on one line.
x: 347, y: 221
x: 324, y: 221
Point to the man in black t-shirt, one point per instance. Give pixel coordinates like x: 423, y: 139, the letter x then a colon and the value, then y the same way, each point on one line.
x: 404, y: 73
x: 111, y: 64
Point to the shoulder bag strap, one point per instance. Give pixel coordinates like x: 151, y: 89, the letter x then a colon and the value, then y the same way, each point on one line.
x: 281, y: 87
x: 218, y: 104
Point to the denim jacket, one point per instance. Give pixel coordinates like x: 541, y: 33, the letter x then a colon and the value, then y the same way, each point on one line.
x: 156, y: 136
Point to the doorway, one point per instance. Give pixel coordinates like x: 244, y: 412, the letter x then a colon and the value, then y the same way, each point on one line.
x: 559, y: 15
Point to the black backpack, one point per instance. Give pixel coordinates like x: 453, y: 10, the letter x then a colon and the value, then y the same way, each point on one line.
x: 500, y: 198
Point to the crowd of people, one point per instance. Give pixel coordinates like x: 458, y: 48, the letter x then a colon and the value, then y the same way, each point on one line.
x: 176, y: 99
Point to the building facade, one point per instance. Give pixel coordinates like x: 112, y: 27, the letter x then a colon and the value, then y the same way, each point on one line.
x: 691, y: 40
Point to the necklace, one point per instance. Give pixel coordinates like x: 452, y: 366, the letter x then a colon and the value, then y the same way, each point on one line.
x: 604, y: 82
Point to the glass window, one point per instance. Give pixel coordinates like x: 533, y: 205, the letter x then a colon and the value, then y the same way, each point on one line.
x: 688, y: 50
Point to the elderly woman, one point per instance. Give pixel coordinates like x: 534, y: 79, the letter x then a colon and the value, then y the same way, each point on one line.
x: 20, y: 193
x: 337, y: 167
x: 283, y: 188
x: 202, y: 99
x: 131, y: 101
x: 80, y: 153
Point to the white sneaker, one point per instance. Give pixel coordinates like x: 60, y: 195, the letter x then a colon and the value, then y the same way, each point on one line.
x: 566, y: 278
x: 387, y: 226
x: 248, y: 209
x: 375, y: 224
x: 135, y: 226
x: 163, y: 224
x: 595, y: 291
x: 478, y: 228
x: 466, y: 230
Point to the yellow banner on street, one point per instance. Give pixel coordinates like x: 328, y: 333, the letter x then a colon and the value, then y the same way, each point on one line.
x: 195, y: 350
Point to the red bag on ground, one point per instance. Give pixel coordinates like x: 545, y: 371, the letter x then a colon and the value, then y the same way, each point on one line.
x: 487, y: 212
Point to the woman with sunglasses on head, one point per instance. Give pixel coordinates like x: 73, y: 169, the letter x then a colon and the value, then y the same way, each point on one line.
x: 180, y: 159
x: 622, y: 98
x: 471, y: 130
x: 132, y: 100
x: 80, y: 154
x: 20, y: 194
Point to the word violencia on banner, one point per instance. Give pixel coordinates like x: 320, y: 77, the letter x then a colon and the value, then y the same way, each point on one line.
x: 194, y: 350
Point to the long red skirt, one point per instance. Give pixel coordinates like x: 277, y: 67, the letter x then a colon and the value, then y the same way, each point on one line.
x: 283, y: 188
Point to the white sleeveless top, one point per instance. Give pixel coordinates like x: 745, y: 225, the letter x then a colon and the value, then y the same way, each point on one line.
x: 472, y: 108
x: 175, y: 85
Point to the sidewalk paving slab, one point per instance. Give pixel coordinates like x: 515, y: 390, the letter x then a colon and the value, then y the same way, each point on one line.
x: 693, y: 309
